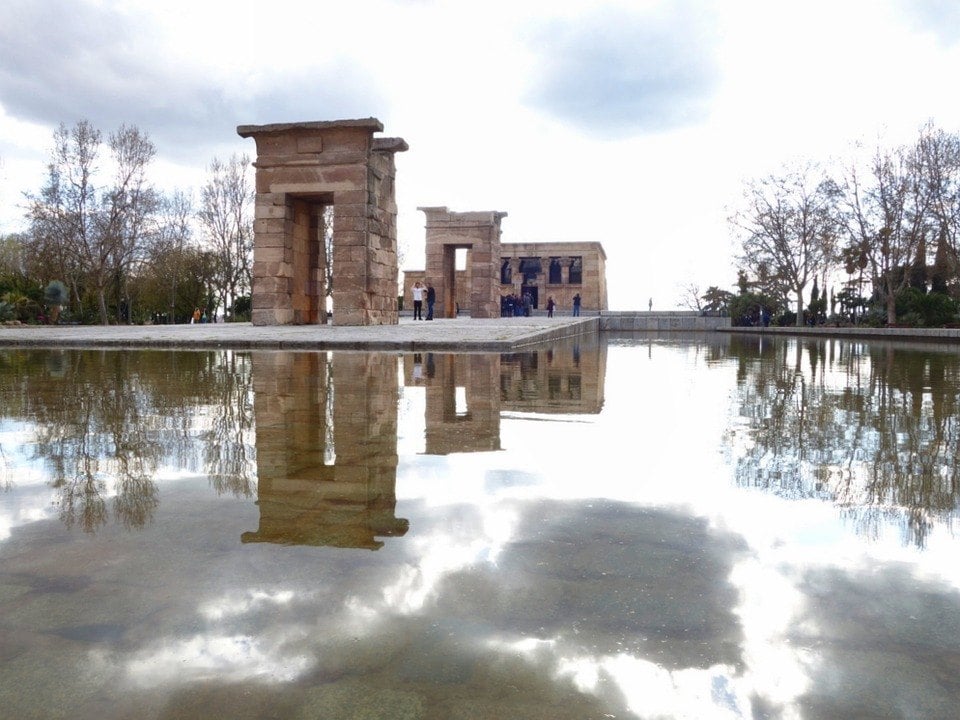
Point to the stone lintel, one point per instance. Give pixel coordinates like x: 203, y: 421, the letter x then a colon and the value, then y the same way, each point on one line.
x: 390, y: 145
x: 371, y: 124
x: 442, y: 217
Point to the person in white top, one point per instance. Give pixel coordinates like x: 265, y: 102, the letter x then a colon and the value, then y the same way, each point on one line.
x: 418, y: 300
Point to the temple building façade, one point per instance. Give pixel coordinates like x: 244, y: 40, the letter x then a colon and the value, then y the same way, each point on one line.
x: 494, y: 270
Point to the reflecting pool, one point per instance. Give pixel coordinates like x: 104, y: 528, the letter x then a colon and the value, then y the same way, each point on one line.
x: 626, y: 526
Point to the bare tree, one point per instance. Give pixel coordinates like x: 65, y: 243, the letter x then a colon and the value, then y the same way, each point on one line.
x: 938, y: 157
x: 226, y: 219
x: 788, y: 226
x: 96, y: 233
x: 888, y: 215
x: 127, y: 216
x: 173, y: 233
x: 690, y: 297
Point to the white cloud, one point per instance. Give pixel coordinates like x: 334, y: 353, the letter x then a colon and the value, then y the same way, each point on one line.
x: 615, y: 72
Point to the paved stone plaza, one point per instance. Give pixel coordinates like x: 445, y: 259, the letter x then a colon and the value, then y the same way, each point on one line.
x: 463, y: 334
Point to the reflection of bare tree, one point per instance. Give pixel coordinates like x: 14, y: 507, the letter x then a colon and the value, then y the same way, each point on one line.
x: 873, y: 428
x: 911, y: 403
x: 5, y: 481
x: 105, y: 421
x: 229, y: 453
x: 91, y: 428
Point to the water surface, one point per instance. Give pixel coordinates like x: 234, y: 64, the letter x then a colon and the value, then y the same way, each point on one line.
x: 630, y: 526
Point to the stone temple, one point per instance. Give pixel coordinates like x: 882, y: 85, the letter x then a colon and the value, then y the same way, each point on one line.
x: 305, y: 169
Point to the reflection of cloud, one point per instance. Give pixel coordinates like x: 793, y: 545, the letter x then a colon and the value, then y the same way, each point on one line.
x: 656, y: 626
x: 223, y: 654
x: 225, y: 658
x: 885, y: 643
x: 441, y: 555
x: 769, y: 603
x: 609, y: 577
x: 233, y: 606
x: 654, y: 691
x: 34, y: 510
x: 27, y: 498
x: 647, y: 688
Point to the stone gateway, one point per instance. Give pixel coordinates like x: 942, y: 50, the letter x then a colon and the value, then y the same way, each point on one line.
x: 301, y: 170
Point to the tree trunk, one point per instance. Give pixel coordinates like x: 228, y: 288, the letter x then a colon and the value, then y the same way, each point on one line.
x: 800, y: 307
x: 102, y: 302
x: 891, y: 309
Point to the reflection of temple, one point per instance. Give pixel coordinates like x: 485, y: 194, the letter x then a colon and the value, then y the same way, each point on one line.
x: 326, y: 427
x: 564, y: 378
x: 465, y: 393
x: 326, y: 448
x: 463, y: 406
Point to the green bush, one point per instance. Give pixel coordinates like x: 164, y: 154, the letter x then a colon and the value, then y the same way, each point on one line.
x: 874, y: 316
x: 916, y: 308
x: 241, y: 310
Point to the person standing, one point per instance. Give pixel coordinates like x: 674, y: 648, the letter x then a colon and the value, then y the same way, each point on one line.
x: 417, y: 301
x: 431, y: 300
x: 195, y: 320
x: 550, y: 306
x: 576, y: 305
x: 650, y: 305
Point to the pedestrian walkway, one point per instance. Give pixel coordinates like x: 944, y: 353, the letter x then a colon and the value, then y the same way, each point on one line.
x: 450, y: 334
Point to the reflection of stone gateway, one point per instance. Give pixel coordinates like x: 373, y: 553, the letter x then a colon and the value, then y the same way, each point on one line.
x: 472, y: 427
x: 326, y: 462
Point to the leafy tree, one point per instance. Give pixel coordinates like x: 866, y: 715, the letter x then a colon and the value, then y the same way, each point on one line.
x: 11, y: 256
x: 716, y: 300
x: 189, y: 270
x: 920, y: 309
x: 817, y: 309
x: 242, y: 307
x: 24, y: 307
x: 943, y: 274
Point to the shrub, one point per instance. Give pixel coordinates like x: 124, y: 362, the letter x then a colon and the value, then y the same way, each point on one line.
x: 55, y: 295
x: 916, y: 308
x: 242, y: 306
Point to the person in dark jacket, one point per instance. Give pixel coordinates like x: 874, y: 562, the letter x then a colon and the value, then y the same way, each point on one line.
x: 431, y: 299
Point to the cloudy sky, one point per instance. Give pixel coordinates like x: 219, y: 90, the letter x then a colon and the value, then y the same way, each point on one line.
x: 634, y: 123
